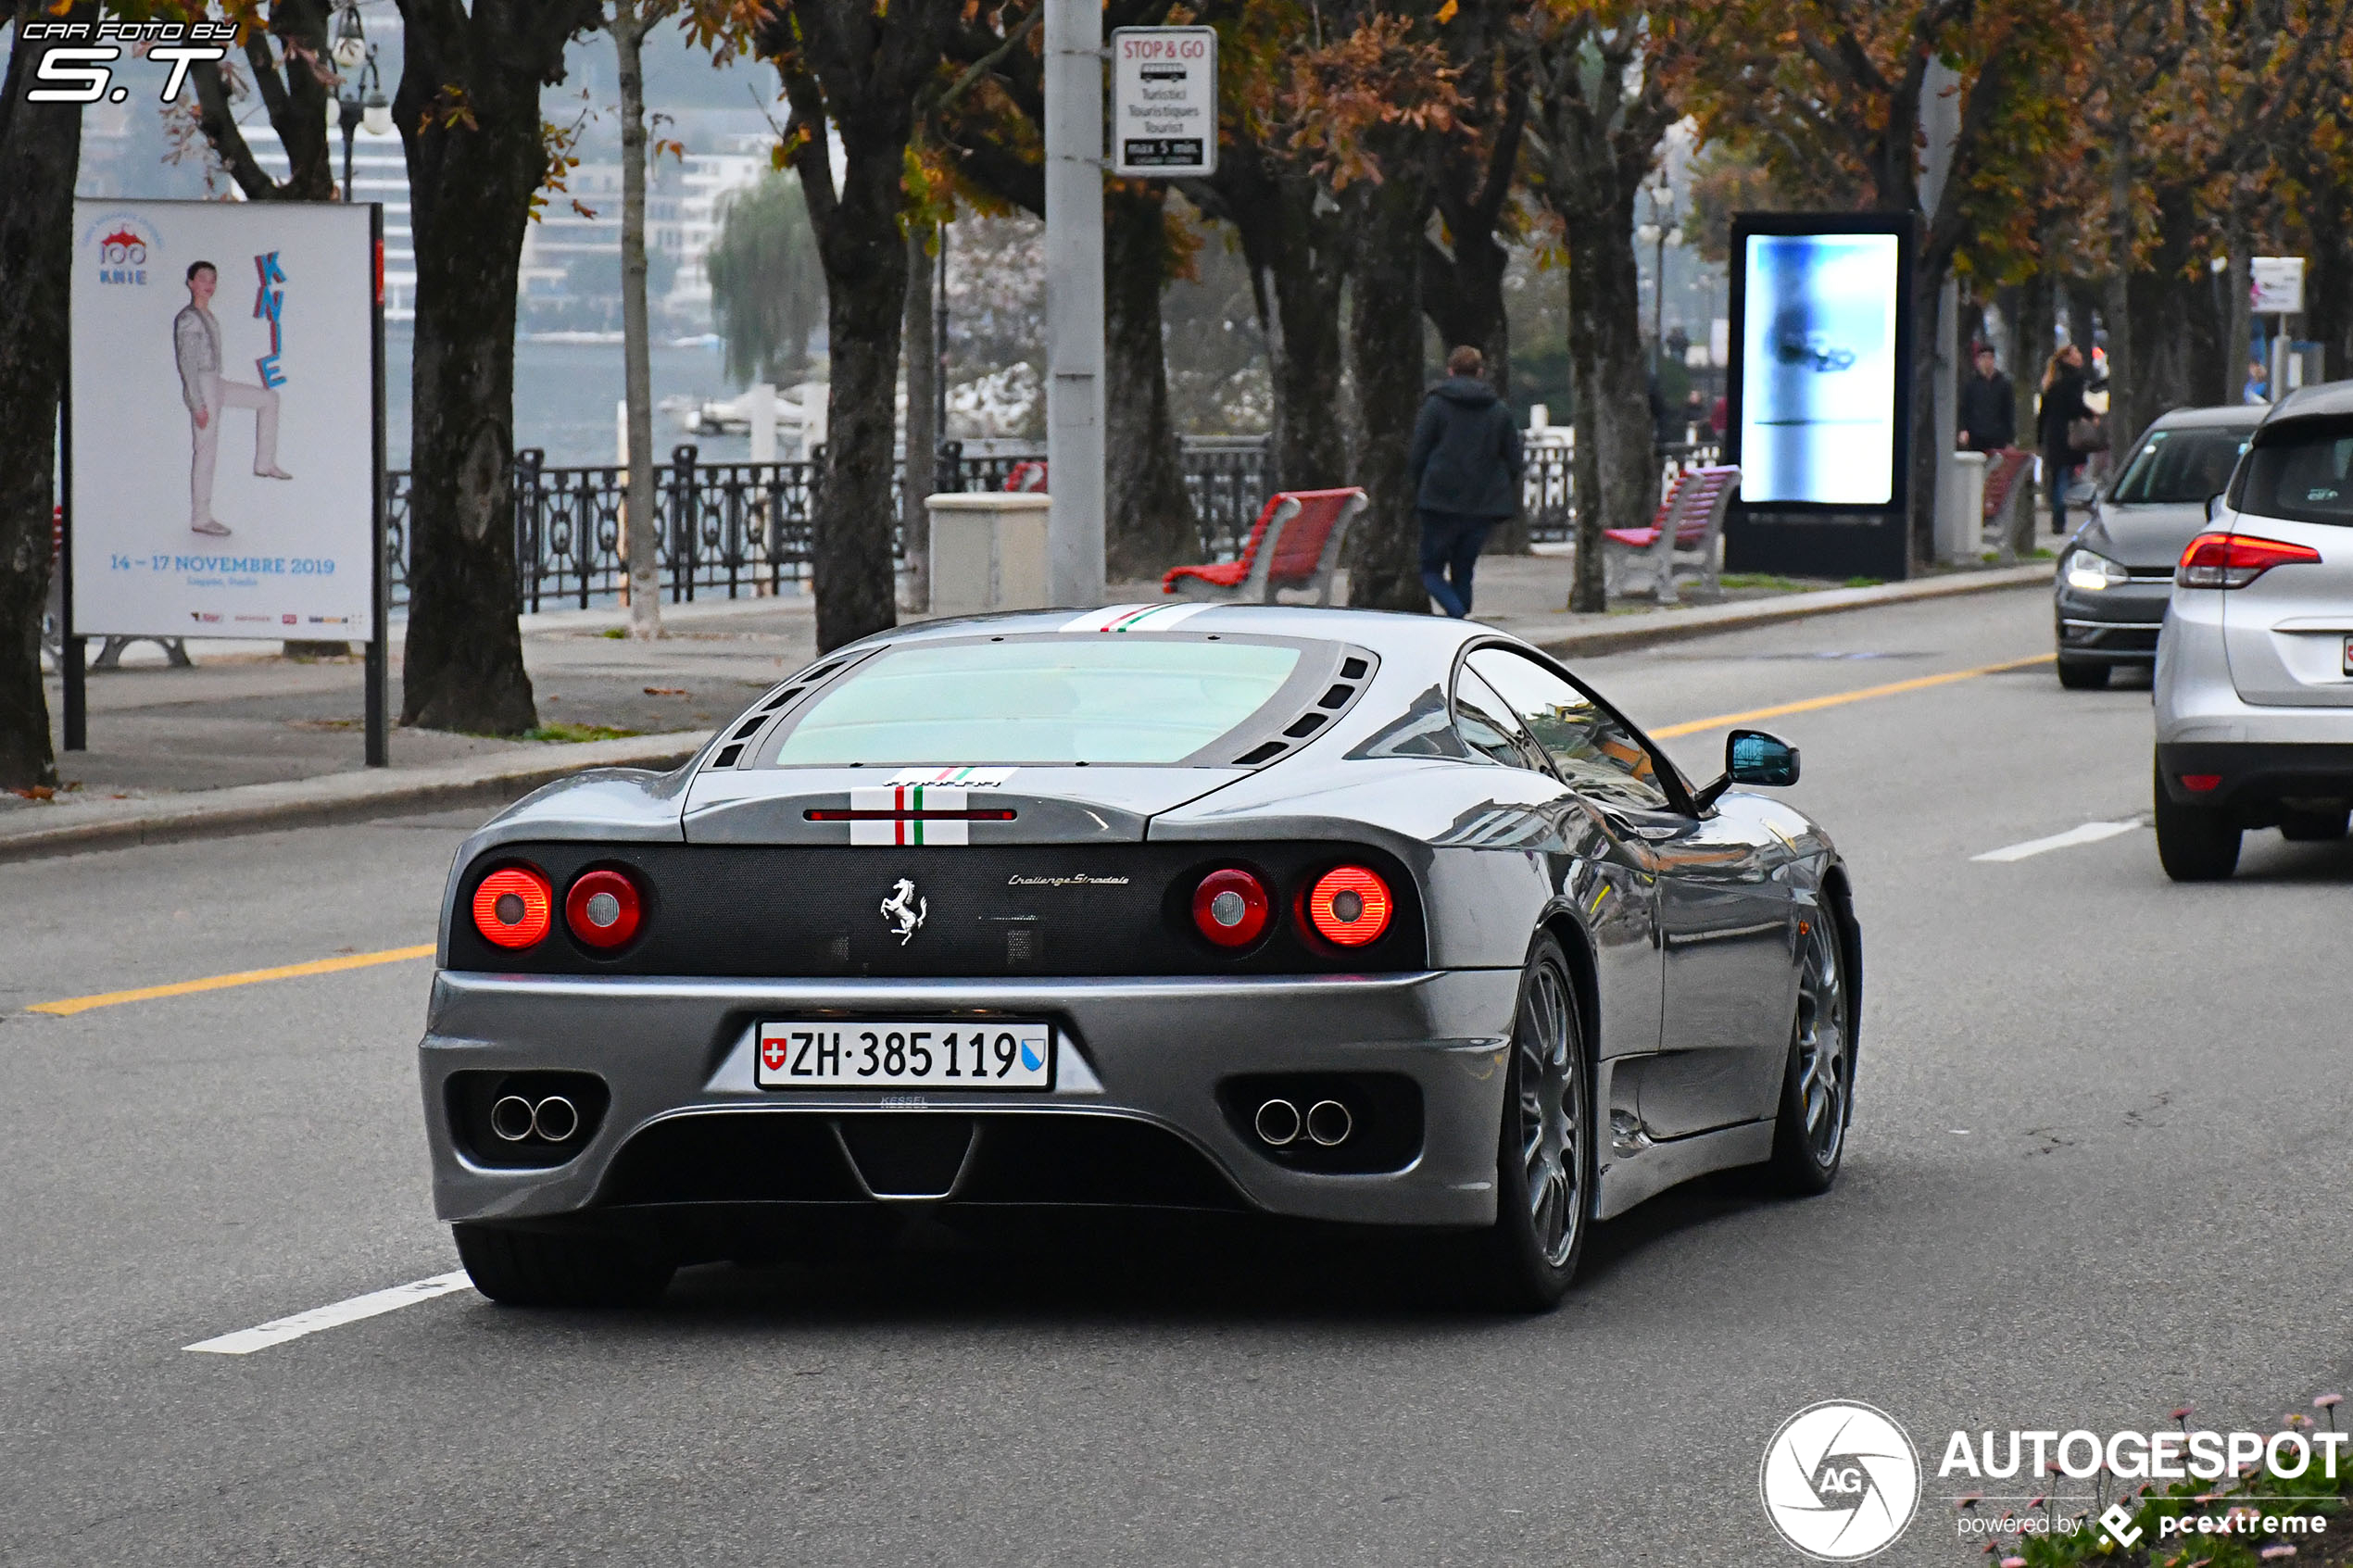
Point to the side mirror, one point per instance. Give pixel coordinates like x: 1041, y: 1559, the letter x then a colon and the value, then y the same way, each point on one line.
x: 2214, y: 505
x: 1751, y: 757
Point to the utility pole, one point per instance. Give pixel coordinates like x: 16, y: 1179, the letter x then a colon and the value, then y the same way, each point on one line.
x: 1940, y: 126
x: 1075, y: 302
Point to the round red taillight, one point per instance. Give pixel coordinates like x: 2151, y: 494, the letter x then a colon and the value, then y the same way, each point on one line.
x: 603, y: 908
x: 512, y: 906
x: 1230, y: 908
x: 1348, y: 905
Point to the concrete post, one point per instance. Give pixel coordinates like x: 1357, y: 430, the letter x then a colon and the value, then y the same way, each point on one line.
x: 761, y: 401
x: 1075, y: 301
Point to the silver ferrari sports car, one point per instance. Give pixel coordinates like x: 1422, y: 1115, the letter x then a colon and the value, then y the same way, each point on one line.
x: 1386, y: 920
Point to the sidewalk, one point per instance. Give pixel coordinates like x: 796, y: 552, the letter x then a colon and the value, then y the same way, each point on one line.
x: 249, y: 741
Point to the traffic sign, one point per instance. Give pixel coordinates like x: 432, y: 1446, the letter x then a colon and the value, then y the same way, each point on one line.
x: 1163, y: 101
x: 2276, y: 284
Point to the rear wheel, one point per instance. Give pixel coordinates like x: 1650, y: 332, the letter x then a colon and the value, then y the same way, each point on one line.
x: 2194, y: 843
x: 1545, y: 1161
x: 538, y: 1269
x: 1809, y: 1132
x: 2082, y: 674
x: 2314, y: 827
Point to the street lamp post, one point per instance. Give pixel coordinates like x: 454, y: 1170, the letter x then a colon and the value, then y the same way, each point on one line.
x: 360, y: 98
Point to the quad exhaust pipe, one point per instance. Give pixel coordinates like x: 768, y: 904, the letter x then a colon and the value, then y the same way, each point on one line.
x: 1326, y: 1124
x: 554, y: 1119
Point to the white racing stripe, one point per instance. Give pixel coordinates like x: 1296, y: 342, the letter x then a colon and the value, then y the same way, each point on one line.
x: 246, y: 1341
x: 2090, y: 832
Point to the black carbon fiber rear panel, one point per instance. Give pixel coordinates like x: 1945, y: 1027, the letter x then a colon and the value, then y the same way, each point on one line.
x: 1043, y: 909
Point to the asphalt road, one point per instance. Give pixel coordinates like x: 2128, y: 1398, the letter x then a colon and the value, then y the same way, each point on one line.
x: 2098, y: 1170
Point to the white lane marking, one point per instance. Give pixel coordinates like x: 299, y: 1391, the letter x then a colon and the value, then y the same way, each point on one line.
x: 246, y: 1341
x: 2090, y: 832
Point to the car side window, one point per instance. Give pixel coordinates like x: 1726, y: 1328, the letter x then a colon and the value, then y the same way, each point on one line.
x: 1486, y: 723
x: 1596, y: 755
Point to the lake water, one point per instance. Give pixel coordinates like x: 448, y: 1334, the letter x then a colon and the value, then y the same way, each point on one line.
x: 565, y: 395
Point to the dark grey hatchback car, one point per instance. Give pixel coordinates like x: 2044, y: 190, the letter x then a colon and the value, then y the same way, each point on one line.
x: 2117, y: 573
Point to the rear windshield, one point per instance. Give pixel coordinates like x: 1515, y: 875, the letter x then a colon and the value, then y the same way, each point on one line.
x: 1054, y: 699
x: 2180, y: 466
x: 2300, y: 471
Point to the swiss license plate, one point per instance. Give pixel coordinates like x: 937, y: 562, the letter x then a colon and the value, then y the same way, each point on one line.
x: 931, y: 1055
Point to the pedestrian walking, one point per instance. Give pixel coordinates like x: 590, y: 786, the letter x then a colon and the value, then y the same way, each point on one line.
x: 1989, y: 408
x: 2259, y: 383
x: 2062, y: 408
x: 1466, y: 463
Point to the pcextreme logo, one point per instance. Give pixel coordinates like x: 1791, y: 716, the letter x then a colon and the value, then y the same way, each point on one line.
x: 1840, y: 1481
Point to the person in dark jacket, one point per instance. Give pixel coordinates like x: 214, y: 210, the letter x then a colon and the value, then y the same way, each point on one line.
x: 1466, y: 463
x: 1989, y: 408
x: 2062, y: 405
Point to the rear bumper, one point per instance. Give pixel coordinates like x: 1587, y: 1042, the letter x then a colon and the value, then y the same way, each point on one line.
x: 1140, y: 1065
x: 2257, y: 775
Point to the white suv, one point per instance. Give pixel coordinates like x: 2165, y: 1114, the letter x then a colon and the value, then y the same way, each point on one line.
x: 2255, y: 662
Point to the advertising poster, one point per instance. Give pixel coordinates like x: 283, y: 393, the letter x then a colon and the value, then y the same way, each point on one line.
x: 1818, y: 370
x: 223, y: 419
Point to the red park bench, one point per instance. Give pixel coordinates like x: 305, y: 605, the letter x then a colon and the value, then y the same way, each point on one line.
x: 1685, y: 531
x: 1295, y: 544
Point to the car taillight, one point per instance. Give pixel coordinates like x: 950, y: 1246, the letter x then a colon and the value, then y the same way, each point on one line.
x: 512, y: 906
x: 2232, y: 560
x: 1348, y: 905
x: 603, y: 908
x: 1230, y: 908
x: 2201, y: 784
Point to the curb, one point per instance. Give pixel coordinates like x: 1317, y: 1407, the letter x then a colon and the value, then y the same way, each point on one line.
x: 494, y: 780
x: 1674, y: 625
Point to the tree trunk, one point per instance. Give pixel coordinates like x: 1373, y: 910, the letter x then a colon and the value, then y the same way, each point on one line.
x: 628, y: 28
x: 1150, y: 527
x: 468, y: 110
x: 1613, y: 419
x: 296, y: 101
x: 2125, y: 370
x: 1385, y: 361
x: 1298, y: 261
x: 1928, y: 298
x: 39, y: 153
x: 2237, y: 279
x: 1462, y: 295
x: 922, y: 416
x: 865, y: 295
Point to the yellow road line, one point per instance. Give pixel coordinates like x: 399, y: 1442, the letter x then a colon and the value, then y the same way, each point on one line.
x: 1726, y: 721
x: 72, y: 1005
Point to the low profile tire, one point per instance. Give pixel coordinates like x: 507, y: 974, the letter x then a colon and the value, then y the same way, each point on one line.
x: 2314, y: 827
x: 2082, y: 674
x: 2194, y: 843
x: 537, y: 1269
x: 1544, y: 1157
x: 1818, y: 1086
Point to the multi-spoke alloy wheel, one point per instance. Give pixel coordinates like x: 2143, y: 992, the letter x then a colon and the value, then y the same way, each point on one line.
x: 1550, y: 1120
x: 1544, y: 1163
x: 1822, y: 1045
x: 1810, y: 1135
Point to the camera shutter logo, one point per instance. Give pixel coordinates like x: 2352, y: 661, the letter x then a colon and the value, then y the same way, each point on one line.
x: 1840, y: 1481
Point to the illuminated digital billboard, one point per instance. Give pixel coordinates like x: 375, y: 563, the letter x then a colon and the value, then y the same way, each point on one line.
x: 1821, y: 359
